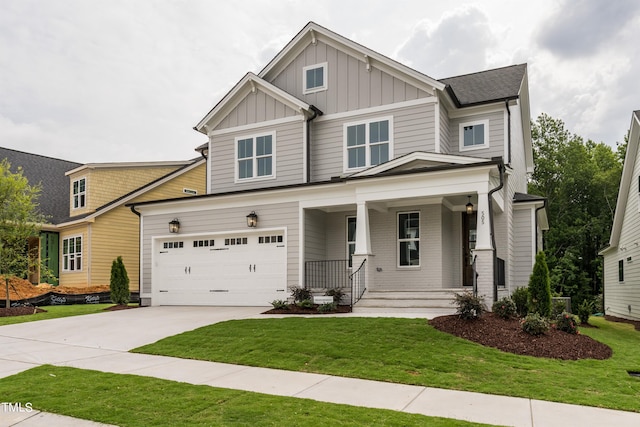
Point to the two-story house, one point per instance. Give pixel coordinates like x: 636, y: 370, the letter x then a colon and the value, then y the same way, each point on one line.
x: 337, y: 162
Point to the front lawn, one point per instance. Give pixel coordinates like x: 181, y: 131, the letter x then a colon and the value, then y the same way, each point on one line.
x: 55, y: 311
x: 128, y: 400
x: 410, y: 351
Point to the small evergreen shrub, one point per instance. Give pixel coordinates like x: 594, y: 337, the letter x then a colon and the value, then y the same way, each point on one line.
x: 534, y: 324
x: 337, y: 295
x: 585, y: 309
x: 119, y: 283
x: 279, y: 304
x: 305, y: 303
x: 300, y: 294
x: 567, y: 322
x: 520, y: 298
x: 504, y: 308
x: 327, y: 308
x: 540, y: 287
x: 557, y: 308
x: 598, y: 304
x: 469, y: 306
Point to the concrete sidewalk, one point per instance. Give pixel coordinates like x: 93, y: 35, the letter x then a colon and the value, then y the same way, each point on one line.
x: 89, y: 346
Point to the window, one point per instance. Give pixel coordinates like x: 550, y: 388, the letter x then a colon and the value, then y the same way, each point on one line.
x: 72, y: 254
x: 235, y: 241
x: 368, y: 143
x: 409, y: 239
x: 474, y: 135
x: 203, y: 243
x: 621, y: 270
x: 314, y: 78
x: 351, y: 238
x: 173, y: 245
x: 79, y: 193
x: 270, y: 239
x: 255, y: 157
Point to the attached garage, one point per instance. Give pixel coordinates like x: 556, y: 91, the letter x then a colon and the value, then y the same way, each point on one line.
x: 239, y: 269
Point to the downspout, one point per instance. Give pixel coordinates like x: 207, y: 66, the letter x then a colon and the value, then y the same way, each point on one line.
x: 492, y: 231
x: 506, y: 104
x: 133, y: 209
x: 316, y: 113
x: 544, y: 205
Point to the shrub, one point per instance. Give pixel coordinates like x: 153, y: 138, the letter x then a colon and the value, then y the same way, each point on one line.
x: 567, y: 322
x: 521, y: 299
x: 327, y: 308
x: 337, y: 295
x: 557, y: 307
x: 469, y: 306
x: 534, y: 324
x: 279, y: 304
x: 585, y: 309
x: 305, y: 303
x: 119, y: 283
x: 300, y: 294
x: 598, y: 304
x: 504, y: 308
x: 540, y: 287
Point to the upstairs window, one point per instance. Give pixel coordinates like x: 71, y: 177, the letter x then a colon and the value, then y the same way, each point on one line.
x: 255, y: 157
x: 314, y: 78
x: 474, y: 135
x: 79, y: 193
x: 368, y: 143
x: 72, y: 254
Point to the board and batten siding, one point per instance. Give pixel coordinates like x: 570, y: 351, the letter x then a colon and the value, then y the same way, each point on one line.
x: 256, y: 107
x: 349, y: 85
x: 280, y: 215
x: 496, y: 135
x: 288, y: 151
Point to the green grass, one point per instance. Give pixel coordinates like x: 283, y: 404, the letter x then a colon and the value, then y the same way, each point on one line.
x: 410, y: 351
x: 56, y: 311
x: 128, y: 400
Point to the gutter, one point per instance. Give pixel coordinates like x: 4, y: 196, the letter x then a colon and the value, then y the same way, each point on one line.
x: 544, y: 206
x: 492, y: 231
x: 133, y: 209
x: 506, y: 104
x: 316, y: 113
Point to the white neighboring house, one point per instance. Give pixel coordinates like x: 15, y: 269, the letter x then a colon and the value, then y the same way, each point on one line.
x: 357, y: 170
x: 622, y: 256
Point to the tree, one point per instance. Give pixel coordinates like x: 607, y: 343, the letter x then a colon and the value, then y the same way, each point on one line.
x: 119, y: 284
x: 539, y: 287
x: 19, y: 220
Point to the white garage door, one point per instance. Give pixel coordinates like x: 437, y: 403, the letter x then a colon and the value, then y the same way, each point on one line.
x: 232, y: 270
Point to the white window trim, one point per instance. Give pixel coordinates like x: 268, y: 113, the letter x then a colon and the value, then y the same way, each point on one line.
x: 73, y: 205
x: 349, y: 242
x: 325, y: 75
x: 474, y: 123
x: 399, y: 240
x: 255, y: 157
x: 62, y: 254
x: 345, y: 148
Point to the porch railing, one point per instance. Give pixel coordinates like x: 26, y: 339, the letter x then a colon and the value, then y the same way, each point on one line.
x: 329, y: 274
x: 358, y: 283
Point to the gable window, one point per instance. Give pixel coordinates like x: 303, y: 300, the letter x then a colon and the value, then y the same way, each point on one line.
x: 79, y: 193
x: 314, y: 78
x: 351, y: 238
x: 474, y: 135
x: 255, y: 157
x: 368, y: 143
x: 621, y: 270
x: 409, y: 239
x: 72, y: 254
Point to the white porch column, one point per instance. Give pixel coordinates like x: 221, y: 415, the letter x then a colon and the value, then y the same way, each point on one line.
x: 363, y: 245
x: 484, y: 250
x: 483, y: 229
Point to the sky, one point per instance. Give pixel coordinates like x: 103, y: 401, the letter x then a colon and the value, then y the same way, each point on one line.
x: 96, y: 81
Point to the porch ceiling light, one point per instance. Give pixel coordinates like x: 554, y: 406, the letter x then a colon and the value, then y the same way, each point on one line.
x: 469, y: 206
x: 252, y: 220
x: 174, y: 225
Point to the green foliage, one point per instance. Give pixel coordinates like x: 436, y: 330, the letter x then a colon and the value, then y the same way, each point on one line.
x: 337, y: 294
x: 585, y: 309
x: 504, y: 308
x: 557, y: 307
x: 567, y: 322
x: 469, y: 306
x: 279, y: 304
x: 119, y: 283
x: 305, y: 303
x: 539, y: 287
x: 329, y: 307
x: 520, y: 297
x: 300, y: 294
x: 534, y: 324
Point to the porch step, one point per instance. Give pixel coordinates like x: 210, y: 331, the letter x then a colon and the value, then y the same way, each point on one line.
x: 410, y: 300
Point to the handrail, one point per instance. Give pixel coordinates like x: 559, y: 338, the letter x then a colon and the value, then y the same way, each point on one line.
x: 358, y: 283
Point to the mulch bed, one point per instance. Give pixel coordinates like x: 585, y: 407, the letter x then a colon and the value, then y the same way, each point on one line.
x: 120, y: 307
x: 20, y: 311
x: 294, y: 309
x: 635, y: 323
x: 507, y: 335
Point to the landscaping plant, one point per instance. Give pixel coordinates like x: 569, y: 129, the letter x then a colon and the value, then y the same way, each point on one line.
x: 520, y: 298
x: 540, y: 287
x: 119, y: 284
x: 337, y: 295
x: 585, y: 309
x: 469, y: 305
x: 504, y: 308
x: 534, y: 324
x: 567, y: 322
x: 300, y: 294
x: 327, y: 308
x: 280, y: 304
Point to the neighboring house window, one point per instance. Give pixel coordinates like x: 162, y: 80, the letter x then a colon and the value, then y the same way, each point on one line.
x: 79, y: 193
x: 255, y: 157
x: 351, y: 238
x: 368, y: 143
x: 314, y: 78
x: 621, y: 271
x: 72, y: 254
x: 409, y: 239
x: 474, y: 135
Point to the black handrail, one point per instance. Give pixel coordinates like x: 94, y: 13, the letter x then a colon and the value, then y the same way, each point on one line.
x: 358, y: 283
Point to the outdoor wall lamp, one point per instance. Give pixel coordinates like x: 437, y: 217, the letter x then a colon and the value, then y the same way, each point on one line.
x: 469, y: 206
x: 174, y: 225
x: 252, y: 220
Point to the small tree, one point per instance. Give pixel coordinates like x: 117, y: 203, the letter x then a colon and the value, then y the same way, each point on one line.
x: 540, y: 287
x: 119, y: 284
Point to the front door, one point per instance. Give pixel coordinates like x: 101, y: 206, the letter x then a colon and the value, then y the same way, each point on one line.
x: 468, y: 245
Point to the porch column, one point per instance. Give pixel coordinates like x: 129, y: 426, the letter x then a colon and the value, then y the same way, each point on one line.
x: 363, y: 245
x: 483, y: 252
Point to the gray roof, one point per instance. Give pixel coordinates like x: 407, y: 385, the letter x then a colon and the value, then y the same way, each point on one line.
x: 637, y: 113
x: 524, y: 197
x: 50, y: 173
x: 486, y: 86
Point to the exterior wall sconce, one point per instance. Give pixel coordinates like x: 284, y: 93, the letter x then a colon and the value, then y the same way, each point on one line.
x: 469, y: 206
x: 252, y: 220
x: 174, y: 225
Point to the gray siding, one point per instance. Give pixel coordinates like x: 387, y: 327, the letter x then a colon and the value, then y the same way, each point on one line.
x: 256, y: 107
x: 445, y: 131
x: 496, y: 135
x: 314, y: 236
x: 522, y: 252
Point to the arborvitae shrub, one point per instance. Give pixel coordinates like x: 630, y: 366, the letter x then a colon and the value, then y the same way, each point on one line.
x: 540, y: 287
x: 119, y: 284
